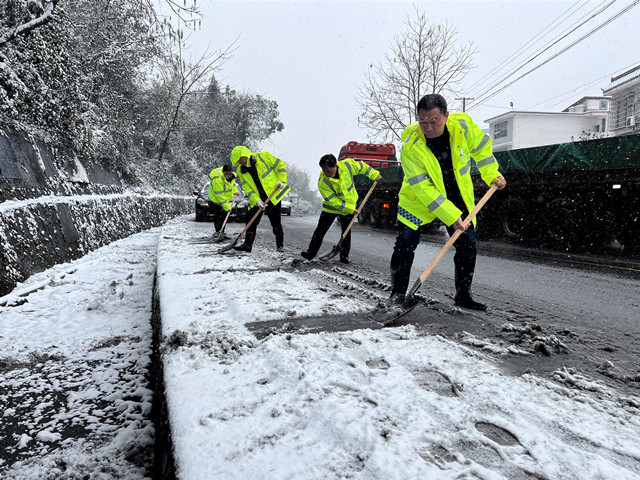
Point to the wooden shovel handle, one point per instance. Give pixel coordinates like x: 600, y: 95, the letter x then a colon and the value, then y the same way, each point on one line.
x: 457, y: 233
x: 356, y: 212
x: 233, y: 202
x: 259, y: 212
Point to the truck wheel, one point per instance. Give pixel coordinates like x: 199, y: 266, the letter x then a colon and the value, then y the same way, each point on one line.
x: 560, y: 230
x: 374, y: 219
x: 515, y: 218
x: 363, y: 216
x: 628, y: 236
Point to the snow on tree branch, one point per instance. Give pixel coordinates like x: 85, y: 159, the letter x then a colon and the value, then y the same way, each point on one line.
x: 44, y: 17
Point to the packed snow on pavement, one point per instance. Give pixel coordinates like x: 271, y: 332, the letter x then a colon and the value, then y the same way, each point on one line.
x: 375, y: 403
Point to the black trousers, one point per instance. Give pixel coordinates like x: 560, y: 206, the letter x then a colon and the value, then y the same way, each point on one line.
x: 273, y: 212
x: 464, y: 259
x: 218, y: 215
x: 324, y: 223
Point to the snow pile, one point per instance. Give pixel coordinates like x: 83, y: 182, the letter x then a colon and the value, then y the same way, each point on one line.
x: 370, y: 403
x: 74, y: 357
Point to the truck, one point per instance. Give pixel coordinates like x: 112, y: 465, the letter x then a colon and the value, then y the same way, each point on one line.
x: 381, y: 208
x: 573, y: 196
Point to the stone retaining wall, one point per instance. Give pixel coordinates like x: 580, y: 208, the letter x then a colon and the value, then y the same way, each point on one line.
x: 37, y: 234
x: 55, y: 208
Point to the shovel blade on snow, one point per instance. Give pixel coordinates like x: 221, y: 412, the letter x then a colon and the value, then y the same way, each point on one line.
x: 388, y: 315
x: 330, y: 254
x: 228, y: 247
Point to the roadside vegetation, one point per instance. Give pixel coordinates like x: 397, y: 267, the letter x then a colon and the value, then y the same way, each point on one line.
x: 110, y: 83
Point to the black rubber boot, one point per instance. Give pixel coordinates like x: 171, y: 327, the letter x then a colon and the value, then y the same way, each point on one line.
x: 248, y: 243
x: 464, y: 298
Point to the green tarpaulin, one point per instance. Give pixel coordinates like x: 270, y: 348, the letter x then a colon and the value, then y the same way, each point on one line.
x: 603, y: 154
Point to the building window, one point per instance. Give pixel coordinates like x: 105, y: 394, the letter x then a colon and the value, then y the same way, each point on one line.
x: 500, y: 129
x: 622, y: 108
x: 603, y: 105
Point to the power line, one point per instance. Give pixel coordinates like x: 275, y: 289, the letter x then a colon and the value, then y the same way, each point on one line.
x: 486, y: 95
x: 511, y: 58
x: 464, y: 102
x: 546, y: 48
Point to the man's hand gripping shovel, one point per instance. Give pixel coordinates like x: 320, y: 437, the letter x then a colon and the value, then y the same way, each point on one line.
x: 226, y: 248
x: 220, y: 236
x: 338, y: 246
x: 410, y: 300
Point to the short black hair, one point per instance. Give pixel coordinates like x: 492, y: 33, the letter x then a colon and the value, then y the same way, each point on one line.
x: 227, y: 168
x: 328, y: 160
x: 431, y: 101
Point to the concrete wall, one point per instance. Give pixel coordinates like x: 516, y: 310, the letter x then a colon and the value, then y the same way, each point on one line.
x: 53, y: 210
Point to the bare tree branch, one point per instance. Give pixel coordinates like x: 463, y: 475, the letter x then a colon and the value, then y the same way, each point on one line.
x: 190, y: 76
x: 424, y: 59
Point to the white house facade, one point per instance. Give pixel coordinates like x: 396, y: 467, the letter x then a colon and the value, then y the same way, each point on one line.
x: 522, y: 129
x: 624, y: 90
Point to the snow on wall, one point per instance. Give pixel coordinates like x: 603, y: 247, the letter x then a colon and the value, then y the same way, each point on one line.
x: 37, y: 234
x: 54, y: 209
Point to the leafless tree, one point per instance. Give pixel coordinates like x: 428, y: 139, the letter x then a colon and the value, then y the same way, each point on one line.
x: 189, y: 77
x: 424, y: 59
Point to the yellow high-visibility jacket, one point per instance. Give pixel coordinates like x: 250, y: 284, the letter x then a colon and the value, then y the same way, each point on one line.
x: 340, y: 195
x: 422, y: 196
x: 221, y: 190
x: 271, y: 170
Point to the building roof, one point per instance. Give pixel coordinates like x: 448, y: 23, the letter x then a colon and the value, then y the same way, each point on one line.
x: 623, y: 78
x: 529, y: 112
x: 583, y: 100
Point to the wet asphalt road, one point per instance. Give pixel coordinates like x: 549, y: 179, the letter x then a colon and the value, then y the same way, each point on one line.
x: 548, y: 311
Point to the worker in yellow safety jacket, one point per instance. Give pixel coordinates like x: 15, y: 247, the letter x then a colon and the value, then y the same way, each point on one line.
x: 436, y: 160
x: 222, y: 188
x: 339, y: 197
x: 260, y: 174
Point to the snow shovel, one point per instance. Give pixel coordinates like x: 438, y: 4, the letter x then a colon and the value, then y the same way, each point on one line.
x: 226, y: 248
x: 410, y: 296
x: 336, y: 249
x: 220, y: 236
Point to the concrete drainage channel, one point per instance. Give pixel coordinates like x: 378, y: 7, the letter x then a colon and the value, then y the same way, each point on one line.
x: 163, y: 462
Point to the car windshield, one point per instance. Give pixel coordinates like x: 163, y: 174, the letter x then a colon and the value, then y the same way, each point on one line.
x: 205, y: 189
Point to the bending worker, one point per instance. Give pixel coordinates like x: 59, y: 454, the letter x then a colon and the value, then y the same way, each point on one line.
x: 260, y: 174
x: 339, y: 197
x: 436, y: 160
x: 221, y: 189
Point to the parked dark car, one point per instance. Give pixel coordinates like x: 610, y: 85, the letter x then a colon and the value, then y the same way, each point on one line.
x: 204, y: 212
x: 285, y: 208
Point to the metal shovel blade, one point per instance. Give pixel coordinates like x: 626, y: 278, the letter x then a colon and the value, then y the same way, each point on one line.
x: 228, y: 247
x: 334, y: 251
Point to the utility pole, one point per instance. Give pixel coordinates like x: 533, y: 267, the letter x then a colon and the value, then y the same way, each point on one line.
x: 464, y: 102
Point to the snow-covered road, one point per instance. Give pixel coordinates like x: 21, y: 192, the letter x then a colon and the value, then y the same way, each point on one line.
x: 369, y: 403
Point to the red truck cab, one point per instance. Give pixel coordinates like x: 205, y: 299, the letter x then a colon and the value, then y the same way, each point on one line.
x: 378, y: 155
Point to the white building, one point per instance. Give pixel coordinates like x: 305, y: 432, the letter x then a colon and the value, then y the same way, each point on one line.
x: 521, y: 129
x: 625, y: 104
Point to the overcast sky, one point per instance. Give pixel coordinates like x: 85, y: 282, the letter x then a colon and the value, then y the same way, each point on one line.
x: 311, y: 57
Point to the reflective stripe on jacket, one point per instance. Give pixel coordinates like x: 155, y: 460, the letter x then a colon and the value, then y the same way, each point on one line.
x: 340, y: 195
x: 271, y: 170
x: 221, y: 190
x: 423, y: 197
